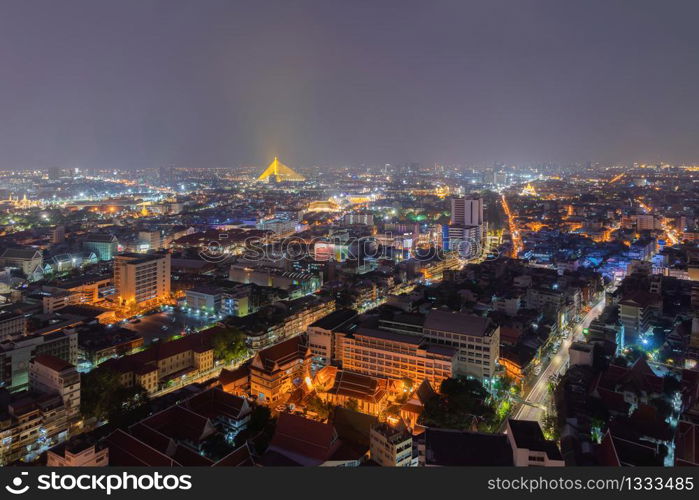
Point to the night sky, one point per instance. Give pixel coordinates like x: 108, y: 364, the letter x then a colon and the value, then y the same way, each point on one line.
x: 204, y: 83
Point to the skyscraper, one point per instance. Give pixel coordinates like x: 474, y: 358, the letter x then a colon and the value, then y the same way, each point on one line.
x: 466, y: 229
x: 55, y: 173
x: 467, y: 211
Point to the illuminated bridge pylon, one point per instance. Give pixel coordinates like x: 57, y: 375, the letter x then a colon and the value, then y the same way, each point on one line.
x: 279, y: 172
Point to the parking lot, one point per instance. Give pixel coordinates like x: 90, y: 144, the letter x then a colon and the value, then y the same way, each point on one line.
x: 167, y: 323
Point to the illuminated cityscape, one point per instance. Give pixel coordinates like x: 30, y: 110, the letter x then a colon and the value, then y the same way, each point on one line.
x: 177, y: 299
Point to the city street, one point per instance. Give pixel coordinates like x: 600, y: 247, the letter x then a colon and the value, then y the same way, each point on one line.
x: 538, y: 396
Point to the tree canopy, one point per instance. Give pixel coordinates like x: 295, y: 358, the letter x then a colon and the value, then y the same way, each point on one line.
x: 105, y: 398
x: 459, y: 402
x: 229, y: 344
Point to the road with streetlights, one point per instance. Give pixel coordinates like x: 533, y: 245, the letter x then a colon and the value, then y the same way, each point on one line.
x: 517, y: 245
x: 536, y: 399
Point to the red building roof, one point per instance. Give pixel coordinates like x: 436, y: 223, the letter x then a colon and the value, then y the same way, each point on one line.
x: 305, y: 441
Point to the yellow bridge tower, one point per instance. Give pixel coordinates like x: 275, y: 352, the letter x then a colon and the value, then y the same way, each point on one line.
x: 279, y: 172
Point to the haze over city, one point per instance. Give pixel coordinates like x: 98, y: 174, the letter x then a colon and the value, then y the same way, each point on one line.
x: 146, y: 83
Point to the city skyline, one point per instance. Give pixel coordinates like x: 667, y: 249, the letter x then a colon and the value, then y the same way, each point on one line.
x: 349, y: 234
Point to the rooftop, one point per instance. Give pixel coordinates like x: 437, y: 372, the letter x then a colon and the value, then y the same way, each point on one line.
x: 335, y: 319
x: 447, y: 447
x: 527, y: 435
x: 458, y: 322
x: 52, y: 362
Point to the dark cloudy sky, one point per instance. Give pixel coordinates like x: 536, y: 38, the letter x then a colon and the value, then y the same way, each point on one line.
x: 144, y: 83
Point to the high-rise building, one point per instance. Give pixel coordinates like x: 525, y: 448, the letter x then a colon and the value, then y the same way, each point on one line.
x: 500, y: 178
x: 467, y: 240
x: 476, y: 339
x: 467, y: 211
x: 58, y: 235
x: 467, y: 229
x: 55, y: 173
x: 140, y: 278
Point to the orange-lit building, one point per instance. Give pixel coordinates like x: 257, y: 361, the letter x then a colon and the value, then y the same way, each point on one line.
x: 142, y: 278
x: 370, y: 393
x: 392, y: 355
x: 512, y: 363
x: 276, y: 370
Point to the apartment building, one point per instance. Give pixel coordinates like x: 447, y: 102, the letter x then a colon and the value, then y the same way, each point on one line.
x: 237, y: 302
x: 467, y: 211
x: 467, y: 228
x: 294, y: 316
x: 466, y: 240
x: 12, y: 325
x: 321, y: 333
x: 476, y: 339
x: 58, y: 235
x: 55, y: 301
x: 523, y: 445
x: 391, y: 446
x: 140, y: 279
x: 647, y: 222
x: 358, y: 218
x: 33, y: 420
x: 16, y: 355
x: 234, y: 301
x: 636, y: 311
x: 28, y: 423
x: 187, y: 356
x: 49, y: 374
x: 509, y: 304
x: 544, y: 299
x: 78, y: 452
x: 386, y: 354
